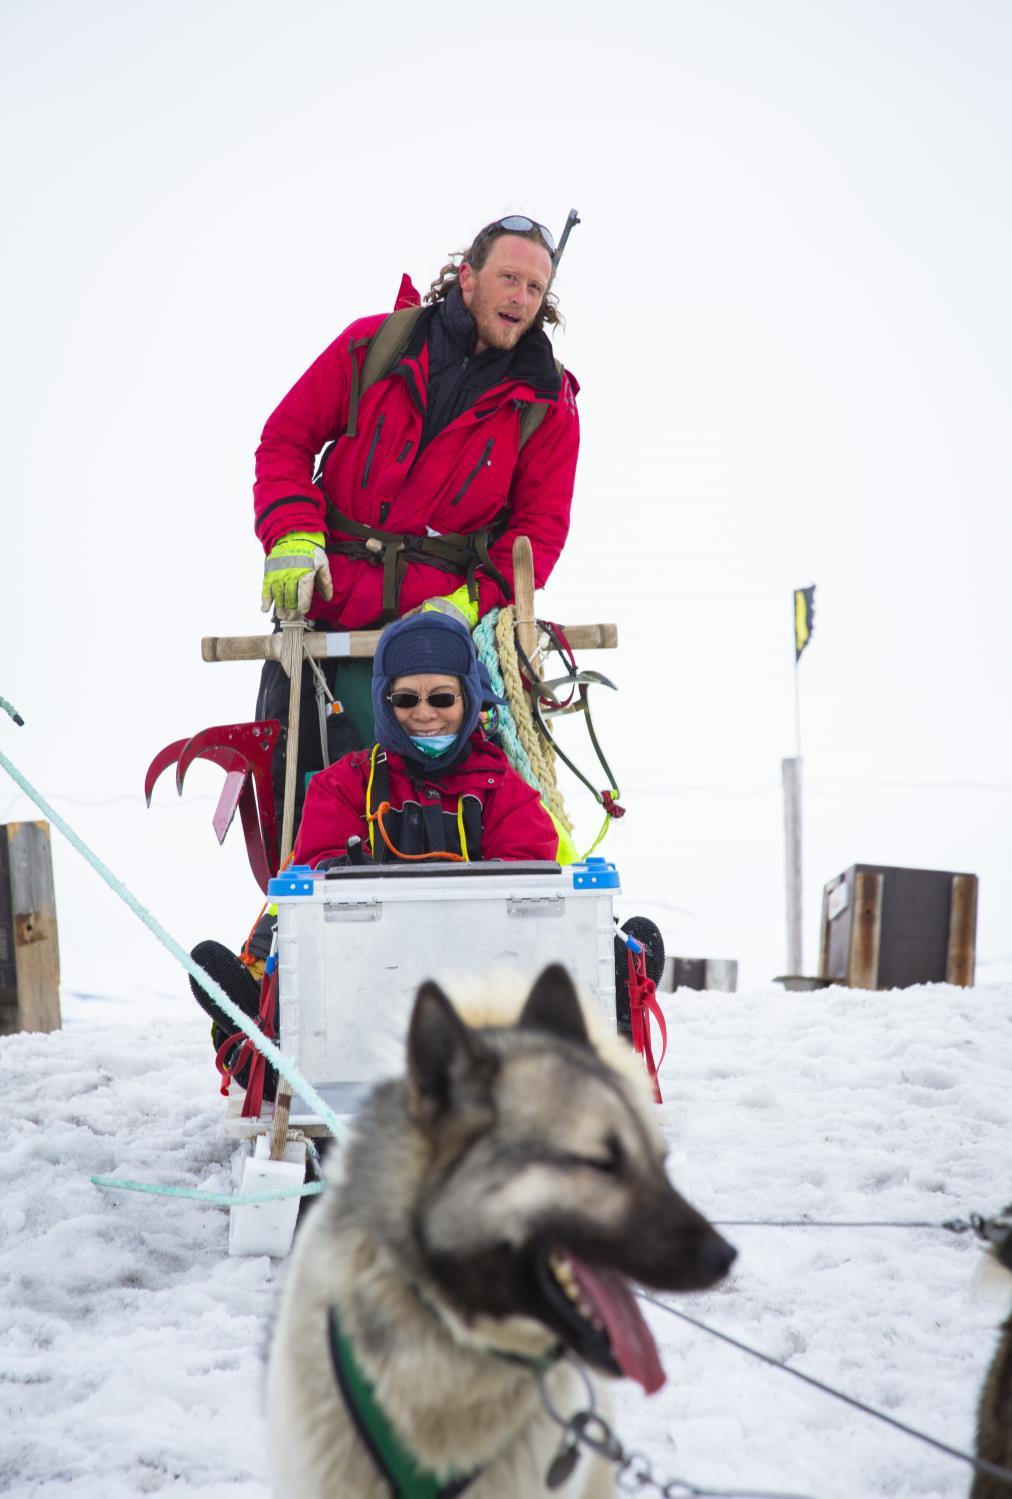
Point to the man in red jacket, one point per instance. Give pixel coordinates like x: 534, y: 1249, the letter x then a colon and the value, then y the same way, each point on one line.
x: 370, y: 503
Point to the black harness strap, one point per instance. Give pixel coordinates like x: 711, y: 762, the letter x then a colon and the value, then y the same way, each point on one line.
x: 441, y: 831
x: 453, y: 552
x: 432, y: 816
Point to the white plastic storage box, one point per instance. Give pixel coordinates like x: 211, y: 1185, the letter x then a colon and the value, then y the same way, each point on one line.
x: 354, y: 944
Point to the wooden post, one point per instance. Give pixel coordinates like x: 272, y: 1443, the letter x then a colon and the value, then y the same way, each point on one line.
x: 293, y: 631
x: 960, y: 959
x: 292, y: 635
x: 824, y: 935
x: 523, y: 597
x: 29, y: 949
x: 792, y: 859
x: 865, y: 931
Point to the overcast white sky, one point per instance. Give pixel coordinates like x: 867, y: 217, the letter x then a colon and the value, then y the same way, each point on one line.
x: 790, y: 311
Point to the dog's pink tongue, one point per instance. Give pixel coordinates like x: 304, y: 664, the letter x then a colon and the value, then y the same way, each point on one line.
x: 631, y: 1339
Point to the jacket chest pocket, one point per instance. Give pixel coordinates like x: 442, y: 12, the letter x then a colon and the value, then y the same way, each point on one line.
x: 374, y: 441
x: 484, y: 462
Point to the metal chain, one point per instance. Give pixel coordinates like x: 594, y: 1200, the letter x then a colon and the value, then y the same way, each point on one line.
x: 634, y: 1472
x: 979, y: 1464
x: 989, y: 1230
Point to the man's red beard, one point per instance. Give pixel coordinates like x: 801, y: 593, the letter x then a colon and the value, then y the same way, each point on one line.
x: 495, y: 329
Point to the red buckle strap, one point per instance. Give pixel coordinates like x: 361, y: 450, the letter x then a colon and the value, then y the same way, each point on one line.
x: 249, y: 1053
x: 642, y: 1004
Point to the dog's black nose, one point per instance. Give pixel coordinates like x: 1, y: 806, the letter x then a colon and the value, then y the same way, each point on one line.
x: 717, y: 1254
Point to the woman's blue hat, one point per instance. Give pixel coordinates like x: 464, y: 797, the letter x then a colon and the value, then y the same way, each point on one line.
x: 429, y: 642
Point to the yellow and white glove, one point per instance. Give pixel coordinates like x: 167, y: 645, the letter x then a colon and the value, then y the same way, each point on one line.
x: 457, y: 605
x: 295, y: 565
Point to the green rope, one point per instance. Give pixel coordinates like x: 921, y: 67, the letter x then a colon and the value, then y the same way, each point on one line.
x: 212, y: 1199
x: 10, y: 708
x: 242, y: 1021
x: 484, y: 643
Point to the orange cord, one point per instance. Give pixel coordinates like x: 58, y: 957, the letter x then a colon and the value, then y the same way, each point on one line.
x: 377, y: 817
x: 245, y: 956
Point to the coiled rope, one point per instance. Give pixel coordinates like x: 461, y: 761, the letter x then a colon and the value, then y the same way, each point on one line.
x: 524, y: 747
x: 485, y: 645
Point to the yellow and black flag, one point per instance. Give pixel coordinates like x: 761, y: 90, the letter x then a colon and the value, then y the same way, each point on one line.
x: 804, y: 618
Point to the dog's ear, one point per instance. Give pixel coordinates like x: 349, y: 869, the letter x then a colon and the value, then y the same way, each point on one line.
x: 450, y: 1070
x: 552, y: 1005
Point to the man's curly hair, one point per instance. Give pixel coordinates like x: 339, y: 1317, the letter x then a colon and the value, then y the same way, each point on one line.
x: 476, y: 256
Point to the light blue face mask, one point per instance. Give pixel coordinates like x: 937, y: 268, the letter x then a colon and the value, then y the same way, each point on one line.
x: 432, y: 744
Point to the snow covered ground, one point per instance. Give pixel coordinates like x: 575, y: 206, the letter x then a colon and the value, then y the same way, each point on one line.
x: 131, y: 1344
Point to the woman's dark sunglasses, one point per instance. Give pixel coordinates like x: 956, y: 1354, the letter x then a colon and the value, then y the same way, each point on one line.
x: 519, y: 223
x: 444, y: 698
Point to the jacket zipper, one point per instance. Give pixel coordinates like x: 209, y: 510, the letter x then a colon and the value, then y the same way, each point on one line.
x: 372, y: 448
x: 474, y: 472
x: 406, y: 449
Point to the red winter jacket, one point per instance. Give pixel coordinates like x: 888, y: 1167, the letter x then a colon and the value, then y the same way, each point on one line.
x: 463, y: 479
x: 514, y: 824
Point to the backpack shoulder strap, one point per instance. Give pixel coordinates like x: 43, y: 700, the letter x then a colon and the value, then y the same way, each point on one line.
x: 384, y: 349
x: 534, y: 412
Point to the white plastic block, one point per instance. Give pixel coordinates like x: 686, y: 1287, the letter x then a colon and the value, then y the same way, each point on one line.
x: 267, y: 1227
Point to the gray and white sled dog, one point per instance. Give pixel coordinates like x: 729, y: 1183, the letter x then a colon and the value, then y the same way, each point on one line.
x: 994, y: 1410
x: 482, y: 1228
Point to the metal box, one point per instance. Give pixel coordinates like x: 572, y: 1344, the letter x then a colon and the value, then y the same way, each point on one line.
x: 354, y: 945
x: 699, y: 973
x: 888, y: 928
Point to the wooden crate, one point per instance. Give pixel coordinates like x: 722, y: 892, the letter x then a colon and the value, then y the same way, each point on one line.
x: 888, y: 928
x: 29, y: 949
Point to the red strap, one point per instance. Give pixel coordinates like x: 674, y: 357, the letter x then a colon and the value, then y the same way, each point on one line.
x: 642, y: 1004
x: 221, y: 1064
x: 611, y: 806
x: 267, y: 1021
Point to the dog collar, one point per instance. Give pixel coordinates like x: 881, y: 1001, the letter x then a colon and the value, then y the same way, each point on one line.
x: 537, y: 1363
x: 406, y: 1477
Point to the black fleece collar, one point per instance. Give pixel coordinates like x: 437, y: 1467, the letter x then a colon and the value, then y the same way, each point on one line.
x: 532, y: 361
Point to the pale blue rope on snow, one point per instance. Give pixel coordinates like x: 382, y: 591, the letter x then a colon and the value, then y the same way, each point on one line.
x: 484, y: 643
x: 212, y: 1199
x: 277, y: 1059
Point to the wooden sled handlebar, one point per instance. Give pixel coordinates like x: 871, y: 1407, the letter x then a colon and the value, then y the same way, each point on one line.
x: 359, y: 643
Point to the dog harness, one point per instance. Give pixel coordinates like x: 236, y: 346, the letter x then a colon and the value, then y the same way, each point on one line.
x: 398, y: 1466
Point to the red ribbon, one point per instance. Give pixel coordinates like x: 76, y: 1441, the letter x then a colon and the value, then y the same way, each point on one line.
x: 611, y: 806
x: 642, y: 1004
x: 267, y: 1021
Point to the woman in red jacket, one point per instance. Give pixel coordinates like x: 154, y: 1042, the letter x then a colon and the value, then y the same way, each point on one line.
x: 432, y: 787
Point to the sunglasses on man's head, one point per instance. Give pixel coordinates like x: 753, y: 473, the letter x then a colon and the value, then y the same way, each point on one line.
x: 444, y: 698
x: 519, y: 223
